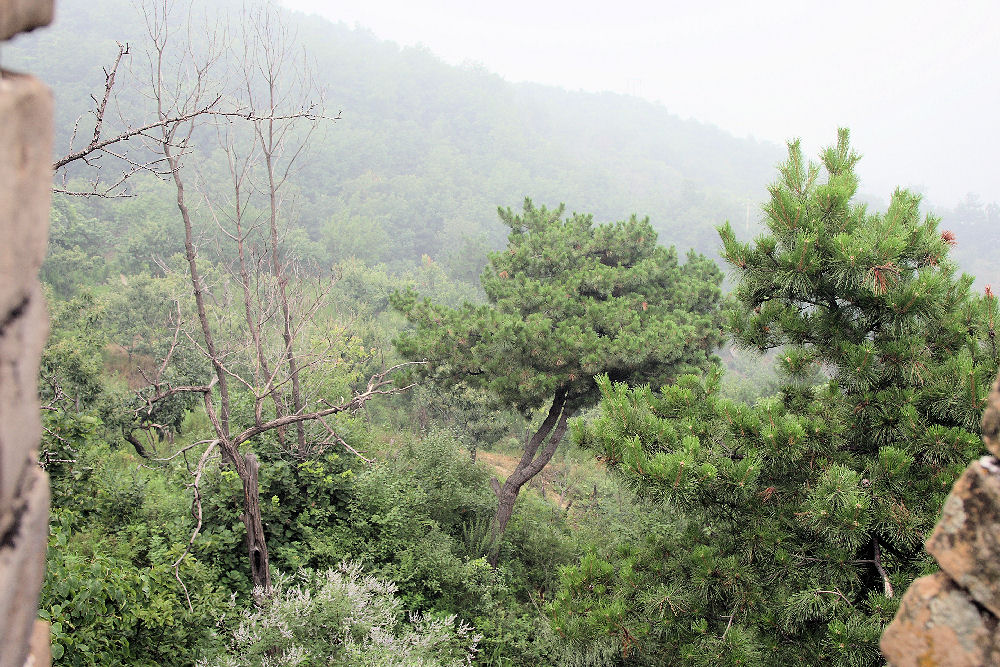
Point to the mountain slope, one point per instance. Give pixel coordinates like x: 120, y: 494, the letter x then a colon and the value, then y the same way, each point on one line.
x: 425, y: 152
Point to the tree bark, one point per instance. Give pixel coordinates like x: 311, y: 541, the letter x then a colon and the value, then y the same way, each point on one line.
x: 260, y: 571
x: 196, y: 286
x: 130, y: 437
x: 553, y: 429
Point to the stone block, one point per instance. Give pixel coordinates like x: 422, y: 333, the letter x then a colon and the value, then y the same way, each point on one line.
x: 25, y: 198
x: 25, y: 185
x: 21, y: 342
x: 966, y: 541
x: 23, y: 15
x: 991, y: 419
x: 939, y: 625
x: 22, y: 568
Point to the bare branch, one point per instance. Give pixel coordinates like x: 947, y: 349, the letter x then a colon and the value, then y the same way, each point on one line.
x: 197, y: 511
x: 374, y: 388
x: 341, y: 441
x: 182, y: 450
x: 186, y: 389
x: 886, y: 584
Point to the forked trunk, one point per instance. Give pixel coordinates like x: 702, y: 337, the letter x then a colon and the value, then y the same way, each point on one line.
x: 506, y: 497
x: 530, y: 465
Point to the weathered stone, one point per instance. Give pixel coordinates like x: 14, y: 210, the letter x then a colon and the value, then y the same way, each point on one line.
x: 22, y: 568
x: 991, y: 420
x: 40, y: 654
x: 25, y: 192
x: 21, y: 342
x: 939, y: 625
x: 23, y: 15
x: 966, y: 541
x: 25, y: 183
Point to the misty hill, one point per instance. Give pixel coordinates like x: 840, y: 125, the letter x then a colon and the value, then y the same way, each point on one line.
x: 425, y: 152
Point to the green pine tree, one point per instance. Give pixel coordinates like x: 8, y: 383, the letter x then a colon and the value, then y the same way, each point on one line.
x: 567, y: 300
x: 791, y: 527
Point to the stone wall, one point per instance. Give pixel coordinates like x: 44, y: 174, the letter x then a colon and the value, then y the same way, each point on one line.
x: 25, y: 192
x: 950, y: 618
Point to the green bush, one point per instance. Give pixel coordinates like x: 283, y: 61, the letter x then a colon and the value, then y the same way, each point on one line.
x: 108, y: 606
x: 345, y: 618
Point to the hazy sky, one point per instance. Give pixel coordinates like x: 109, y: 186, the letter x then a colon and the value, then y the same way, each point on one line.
x: 915, y: 81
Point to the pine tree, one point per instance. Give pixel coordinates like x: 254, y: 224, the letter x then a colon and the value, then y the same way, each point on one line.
x: 568, y: 300
x: 793, y: 524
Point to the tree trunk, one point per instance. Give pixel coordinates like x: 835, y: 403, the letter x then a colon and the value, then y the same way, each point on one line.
x: 530, y: 465
x: 260, y: 571
x: 263, y: 378
x: 196, y: 285
x: 506, y: 497
x: 270, y: 145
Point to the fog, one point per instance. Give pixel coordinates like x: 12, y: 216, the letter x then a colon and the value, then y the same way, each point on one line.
x: 915, y: 81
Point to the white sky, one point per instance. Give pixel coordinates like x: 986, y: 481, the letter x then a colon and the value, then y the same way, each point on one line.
x: 916, y: 81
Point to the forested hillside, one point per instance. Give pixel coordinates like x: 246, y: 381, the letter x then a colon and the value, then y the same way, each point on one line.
x: 333, y: 378
x: 425, y: 152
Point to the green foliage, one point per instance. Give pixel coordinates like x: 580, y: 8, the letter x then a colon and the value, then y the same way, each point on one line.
x: 403, y: 516
x: 74, y: 257
x: 110, y: 591
x: 783, y: 513
x: 99, y: 343
x: 758, y: 525
x: 346, y: 618
x: 424, y: 150
x: 105, y: 609
x: 72, y: 359
x: 569, y: 300
x: 472, y: 416
x: 407, y: 516
x: 566, y: 300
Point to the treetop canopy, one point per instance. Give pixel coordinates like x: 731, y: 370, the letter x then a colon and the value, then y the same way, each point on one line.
x: 568, y: 300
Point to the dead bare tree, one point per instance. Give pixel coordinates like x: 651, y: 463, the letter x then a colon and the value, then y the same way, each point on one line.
x: 120, y: 144
x: 274, y: 83
x: 257, y: 352
x: 124, y: 141
x: 247, y: 466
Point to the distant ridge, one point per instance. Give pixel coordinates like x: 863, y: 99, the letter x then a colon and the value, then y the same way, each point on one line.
x: 426, y: 151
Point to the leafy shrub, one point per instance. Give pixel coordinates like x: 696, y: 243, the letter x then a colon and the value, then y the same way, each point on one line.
x: 346, y: 618
x: 106, y: 609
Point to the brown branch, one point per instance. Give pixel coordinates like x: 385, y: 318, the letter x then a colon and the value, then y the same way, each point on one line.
x: 553, y: 427
x: 181, y: 451
x: 550, y: 448
x: 177, y: 119
x: 886, y: 584
x: 555, y: 410
x: 184, y: 389
x: 140, y: 449
x: 375, y: 385
x: 343, y: 442
x: 838, y: 594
